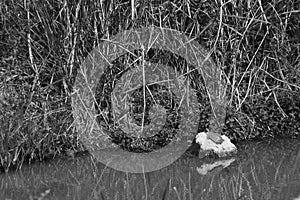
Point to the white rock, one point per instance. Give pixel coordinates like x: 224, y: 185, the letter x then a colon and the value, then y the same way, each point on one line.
x: 298, y: 198
x: 222, y: 149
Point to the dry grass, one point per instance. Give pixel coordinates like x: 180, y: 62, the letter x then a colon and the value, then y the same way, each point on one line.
x: 255, y: 44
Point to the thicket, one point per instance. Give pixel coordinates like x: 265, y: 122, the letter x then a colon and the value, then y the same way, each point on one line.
x: 42, y: 43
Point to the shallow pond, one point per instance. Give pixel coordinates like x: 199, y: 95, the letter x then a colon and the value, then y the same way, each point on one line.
x: 260, y: 170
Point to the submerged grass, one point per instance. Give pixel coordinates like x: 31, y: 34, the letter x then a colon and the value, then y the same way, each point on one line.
x: 255, y: 43
x: 262, y: 170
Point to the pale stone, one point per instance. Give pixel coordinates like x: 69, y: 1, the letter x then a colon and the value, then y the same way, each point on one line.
x: 298, y: 198
x: 207, y: 145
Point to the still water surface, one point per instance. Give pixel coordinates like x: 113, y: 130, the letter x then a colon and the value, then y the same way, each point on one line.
x: 260, y: 171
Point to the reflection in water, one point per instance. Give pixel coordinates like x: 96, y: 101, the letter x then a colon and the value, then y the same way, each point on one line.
x: 260, y: 170
x: 204, y: 169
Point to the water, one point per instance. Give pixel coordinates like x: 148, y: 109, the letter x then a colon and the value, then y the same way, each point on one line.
x: 260, y: 171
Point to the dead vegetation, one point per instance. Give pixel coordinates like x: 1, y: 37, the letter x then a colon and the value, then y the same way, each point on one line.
x: 255, y: 43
